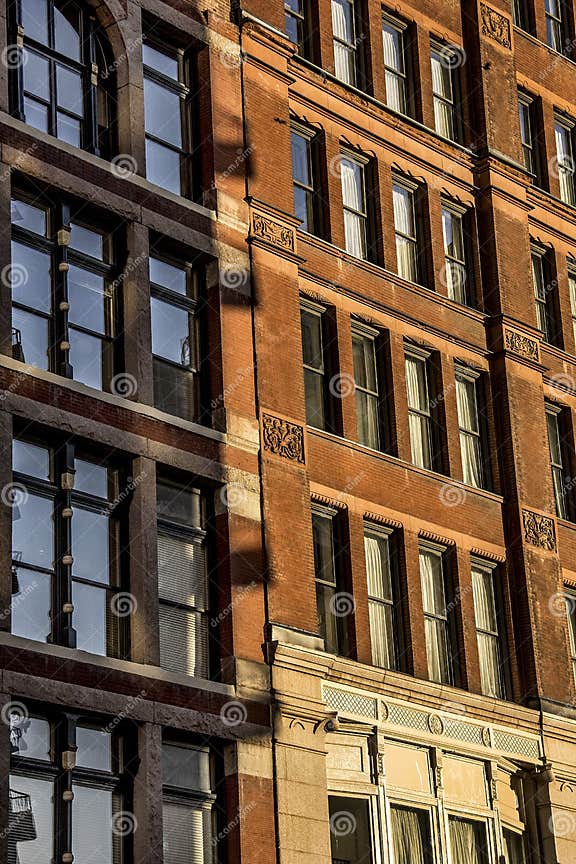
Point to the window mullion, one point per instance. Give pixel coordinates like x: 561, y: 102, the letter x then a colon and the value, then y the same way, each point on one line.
x: 60, y: 313
x: 63, y: 632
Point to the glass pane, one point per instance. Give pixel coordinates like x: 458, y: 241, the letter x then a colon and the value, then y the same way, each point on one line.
x: 466, y: 402
x: 182, y: 575
x: 185, y: 767
x: 420, y: 440
x: 395, y: 92
x: 86, y: 357
x: 410, y: 835
x: 323, y: 549
x: 433, y: 599
x: 91, y: 478
x: 312, y: 351
x: 27, y: 216
x: 468, y: 841
x: 66, y: 29
x: 327, y: 621
x: 186, y: 833
x: 35, y: 20
x: 444, y: 118
x: 31, y: 605
x: 352, y: 175
x: 168, y: 276
x: 416, y: 384
x: 378, y: 570
x: 382, y: 635
x: 90, y: 545
x: 350, y: 836
x: 35, y: 114
x: 179, y: 504
x: 407, y: 258
x: 300, y: 159
x: 33, y: 531
x: 31, y: 459
x: 69, y: 90
x: 403, y: 201
x: 163, y: 167
x: 393, y: 53
x: 303, y: 207
x: 162, y: 112
x: 441, y: 74
x: 171, y: 332
x: 453, y: 237
x: 30, y: 838
x: 437, y: 650
x: 176, y: 390
x: 343, y: 20
x: 89, y: 617
x: 68, y: 129
x: 355, y: 234
x: 36, y: 72
x: 164, y: 63
x: 364, y: 362
x: 314, y: 392
x: 30, y: 277
x: 367, y: 420
x: 92, y: 812
x: 484, y: 602
x: 554, y: 437
x: 33, y: 331
x: 31, y: 738
x: 87, y: 241
x: 94, y: 748
x: 183, y: 641
x: 86, y: 293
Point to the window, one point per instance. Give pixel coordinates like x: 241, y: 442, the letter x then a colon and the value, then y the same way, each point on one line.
x: 571, y: 613
x: 526, y: 115
x: 167, y: 118
x: 64, y: 84
x: 63, y: 299
x: 411, y: 835
x: 395, y: 64
x: 555, y: 27
x: 345, y: 41
x: 486, y: 611
x: 404, y: 200
x: 444, y: 87
x: 174, y: 290
x: 471, y: 443
x: 353, y: 176
x: 182, y: 579
x: 352, y: 845
x: 97, y: 780
x: 513, y: 847
x: 419, y: 410
x: 438, y: 647
x: 383, y: 606
x: 468, y: 841
x: 520, y: 14
x: 564, y: 134
x: 327, y: 568
x: 572, y: 289
x: 296, y: 12
x: 542, y: 294
x: 65, y: 544
x: 304, y: 180
x: 366, y: 385
x: 455, y: 253
x: 187, y: 804
x: 312, y: 319
x: 559, y: 458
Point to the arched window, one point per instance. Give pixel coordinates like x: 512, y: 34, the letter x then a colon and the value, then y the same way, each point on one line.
x: 63, y: 83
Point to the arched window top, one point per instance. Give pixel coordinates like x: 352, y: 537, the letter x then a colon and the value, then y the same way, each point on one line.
x: 63, y: 84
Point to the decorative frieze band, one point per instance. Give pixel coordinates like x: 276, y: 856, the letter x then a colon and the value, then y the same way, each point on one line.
x: 283, y: 438
x: 521, y: 344
x: 495, y: 26
x: 273, y: 232
x: 539, y: 530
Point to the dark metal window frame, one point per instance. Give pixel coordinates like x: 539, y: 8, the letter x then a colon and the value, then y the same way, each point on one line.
x: 465, y: 373
x: 544, y: 293
x: 370, y: 335
x: 309, y: 307
x: 568, y: 124
x: 337, y: 586
x: 312, y: 189
x: 465, y: 217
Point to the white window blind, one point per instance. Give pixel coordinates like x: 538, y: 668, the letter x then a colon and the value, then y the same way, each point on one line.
x: 487, y: 631
x: 419, y: 411
x: 470, y: 434
x: 380, y: 599
x: 435, y: 617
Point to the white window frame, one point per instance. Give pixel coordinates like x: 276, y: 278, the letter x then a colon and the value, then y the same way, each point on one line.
x: 470, y: 375
x: 413, y: 352
x: 370, y: 334
x: 492, y: 568
x: 361, y: 162
x: 441, y: 49
x: 526, y: 102
x: 398, y: 180
x: 460, y: 264
x: 430, y: 548
x: 400, y: 74
x: 566, y: 168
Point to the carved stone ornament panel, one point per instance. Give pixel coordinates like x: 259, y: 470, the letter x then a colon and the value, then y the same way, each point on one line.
x: 495, y: 26
x: 539, y: 530
x: 273, y: 232
x: 283, y: 438
x: 522, y: 345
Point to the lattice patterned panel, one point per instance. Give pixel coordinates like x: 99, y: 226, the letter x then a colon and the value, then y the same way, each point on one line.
x: 516, y: 744
x: 350, y: 703
x: 463, y: 731
x: 401, y: 716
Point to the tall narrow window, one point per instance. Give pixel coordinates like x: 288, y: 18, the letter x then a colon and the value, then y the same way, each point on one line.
x: 385, y: 616
x: 63, y: 299
x: 303, y: 179
x: 471, y: 444
x: 407, y: 251
x: 182, y: 579
x: 525, y: 111
x: 455, y: 257
x: 187, y: 802
x: 367, y: 389
x: 419, y: 411
x: 513, y: 847
x: 353, y: 176
x: 520, y: 14
x: 558, y: 458
x: 438, y: 648
x: 311, y: 317
x: 468, y: 841
x: 345, y: 41
x: 395, y: 67
x: 490, y: 648
x: 571, y: 613
x: 411, y: 835
x: 65, y: 82
x: 564, y: 134
x: 572, y: 289
x: 542, y: 295
x: 353, y: 846
x: 555, y: 28
x: 175, y: 338
x: 167, y: 118
x: 328, y: 575
x: 296, y: 24
x: 85, y: 571
x: 444, y: 91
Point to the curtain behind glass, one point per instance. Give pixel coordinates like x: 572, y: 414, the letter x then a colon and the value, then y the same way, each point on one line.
x: 417, y: 395
x: 464, y: 842
x: 395, y: 92
x: 408, y: 836
x: 352, y: 176
x: 565, y: 163
x: 379, y: 578
x: 468, y: 422
x: 343, y: 29
x: 434, y: 605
